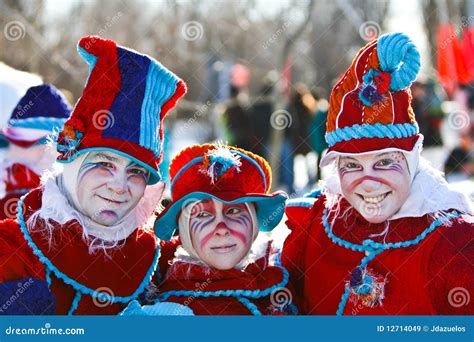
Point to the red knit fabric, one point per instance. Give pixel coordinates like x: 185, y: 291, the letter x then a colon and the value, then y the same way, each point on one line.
x: 119, y: 272
x: 419, y: 278
x: 256, y: 276
x: 18, y: 177
x: 249, y: 180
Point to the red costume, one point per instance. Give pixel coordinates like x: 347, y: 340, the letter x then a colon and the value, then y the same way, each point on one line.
x: 208, y: 291
x: 432, y: 277
x: 71, y: 271
x: 18, y: 181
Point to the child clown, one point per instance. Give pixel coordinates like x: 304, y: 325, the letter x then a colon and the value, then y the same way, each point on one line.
x: 386, y: 235
x: 82, y: 241
x: 220, y: 201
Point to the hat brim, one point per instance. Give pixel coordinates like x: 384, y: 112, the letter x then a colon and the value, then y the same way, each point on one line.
x: 155, y: 176
x: 270, y: 209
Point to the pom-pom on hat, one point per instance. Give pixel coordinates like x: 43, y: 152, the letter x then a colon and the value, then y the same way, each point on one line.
x: 122, y: 107
x: 370, y: 106
x: 226, y: 173
x: 40, y: 112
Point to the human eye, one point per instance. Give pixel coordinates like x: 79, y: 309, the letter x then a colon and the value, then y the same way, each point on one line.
x: 350, y: 166
x: 384, y: 162
x: 138, y: 171
x: 105, y: 164
x: 233, y: 211
x: 203, y: 214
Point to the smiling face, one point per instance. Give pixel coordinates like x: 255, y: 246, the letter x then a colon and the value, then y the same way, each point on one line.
x: 376, y: 185
x: 109, y: 187
x: 221, y: 233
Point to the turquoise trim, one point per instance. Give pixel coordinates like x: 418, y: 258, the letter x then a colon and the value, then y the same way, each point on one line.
x: 375, y: 248
x: 315, y: 193
x: 301, y: 202
x: 40, y: 122
x: 270, y: 210
x: 75, y: 303
x: 378, y: 130
x: 155, y: 175
x: 48, y: 277
x: 199, y: 159
x: 81, y: 289
x: 18, y: 192
x: 399, y: 56
x: 158, y: 90
x: 89, y: 58
x: 250, y: 306
x: 241, y: 295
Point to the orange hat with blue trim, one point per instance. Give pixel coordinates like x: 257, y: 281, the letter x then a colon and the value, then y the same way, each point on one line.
x: 370, y: 106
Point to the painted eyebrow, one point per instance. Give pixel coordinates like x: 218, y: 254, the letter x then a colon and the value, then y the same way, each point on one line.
x: 342, y: 158
x: 133, y: 164
x: 106, y: 157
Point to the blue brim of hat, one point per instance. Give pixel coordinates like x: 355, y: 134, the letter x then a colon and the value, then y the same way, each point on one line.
x: 155, y: 176
x: 270, y: 210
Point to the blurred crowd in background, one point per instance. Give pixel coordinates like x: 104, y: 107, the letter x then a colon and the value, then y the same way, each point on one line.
x: 259, y: 77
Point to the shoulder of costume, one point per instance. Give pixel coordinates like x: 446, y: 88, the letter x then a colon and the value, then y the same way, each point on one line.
x: 296, y: 208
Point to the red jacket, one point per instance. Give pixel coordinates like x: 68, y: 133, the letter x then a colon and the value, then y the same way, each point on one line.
x: 19, y: 180
x: 260, y: 288
x: 432, y: 277
x: 121, y: 272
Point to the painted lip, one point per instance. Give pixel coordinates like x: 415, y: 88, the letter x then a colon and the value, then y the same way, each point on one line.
x: 377, y: 199
x: 224, y: 249
x: 110, y: 200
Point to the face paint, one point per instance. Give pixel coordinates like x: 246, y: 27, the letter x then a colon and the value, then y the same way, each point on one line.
x: 109, y: 186
x: 221, y: 233
x: 376, y: 185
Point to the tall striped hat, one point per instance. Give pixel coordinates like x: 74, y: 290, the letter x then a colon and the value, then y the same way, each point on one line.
x: 370, y: 106
x: 122, y: 107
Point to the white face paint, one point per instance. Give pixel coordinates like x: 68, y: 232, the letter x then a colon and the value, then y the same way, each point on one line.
x: 109, y: 186
x: 221, y: 233
x: 376, y: 185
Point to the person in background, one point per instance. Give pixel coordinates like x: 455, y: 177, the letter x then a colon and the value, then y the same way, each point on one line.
x: 42, y: 111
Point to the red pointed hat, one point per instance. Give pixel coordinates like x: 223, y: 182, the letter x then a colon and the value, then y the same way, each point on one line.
x: 225, y: 173
x: 370, y: 106
x: 122, y: 107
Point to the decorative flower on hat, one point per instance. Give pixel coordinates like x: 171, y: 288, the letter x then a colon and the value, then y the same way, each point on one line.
x: 376, y: 84
x: 70, y: 138
x: 220, y: 163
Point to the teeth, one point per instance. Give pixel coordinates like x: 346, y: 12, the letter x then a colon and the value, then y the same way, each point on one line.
x: 375, y: 199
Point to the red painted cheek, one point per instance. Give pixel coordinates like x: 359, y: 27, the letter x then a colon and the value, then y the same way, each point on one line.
x: 242, y: 237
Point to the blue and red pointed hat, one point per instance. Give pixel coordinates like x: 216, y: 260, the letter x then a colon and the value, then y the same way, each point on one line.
x: 122, y: 107
x: 41, y: 111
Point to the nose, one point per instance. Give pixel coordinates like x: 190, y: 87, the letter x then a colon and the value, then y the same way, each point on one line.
x: 118, y: 185
x: 221, y: 229
x: 370, y: 185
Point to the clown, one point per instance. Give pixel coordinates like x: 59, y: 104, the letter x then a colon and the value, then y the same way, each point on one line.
x: 220, y: 202
x: 40, y: 112
x: 385, y: 234
x: 84, y: 239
